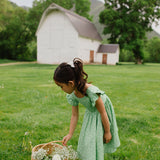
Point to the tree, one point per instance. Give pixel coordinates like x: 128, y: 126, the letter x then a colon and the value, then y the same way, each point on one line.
x: 127, y: 21
x: 82, y: 7
x: 153, y: 48
x: 15, y: 35
x: 6, y: 12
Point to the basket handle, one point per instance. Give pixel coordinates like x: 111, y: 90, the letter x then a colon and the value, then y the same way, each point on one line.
x: 60, y: 141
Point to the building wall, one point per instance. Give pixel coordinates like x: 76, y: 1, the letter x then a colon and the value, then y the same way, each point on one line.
x: 112, y: 58
x: 57, y: 39
x: 99, y: 57
x: 85, y: 46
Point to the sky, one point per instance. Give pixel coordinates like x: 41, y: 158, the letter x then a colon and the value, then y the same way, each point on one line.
x: 28, y: 3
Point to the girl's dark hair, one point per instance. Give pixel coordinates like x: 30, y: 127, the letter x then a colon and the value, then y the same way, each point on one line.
x: 65, y: 73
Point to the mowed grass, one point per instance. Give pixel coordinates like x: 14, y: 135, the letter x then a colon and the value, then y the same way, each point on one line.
x: 34, y: 110
x: 6, y: 61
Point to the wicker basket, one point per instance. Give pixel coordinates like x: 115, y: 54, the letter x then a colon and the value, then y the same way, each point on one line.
x: 49, y: 147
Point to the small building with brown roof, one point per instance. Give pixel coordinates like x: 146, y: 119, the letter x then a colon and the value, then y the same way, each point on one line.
x: 108, y: 54
x: 63, y: 35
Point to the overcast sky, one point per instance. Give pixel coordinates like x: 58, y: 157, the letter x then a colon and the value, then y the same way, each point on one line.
x: 28, y: 3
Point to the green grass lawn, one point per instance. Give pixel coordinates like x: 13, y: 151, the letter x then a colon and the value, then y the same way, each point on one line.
x: 34, y: 110
x: 6, y: 61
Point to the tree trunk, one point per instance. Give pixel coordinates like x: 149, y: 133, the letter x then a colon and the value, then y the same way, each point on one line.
x: 138, y: 54
x: 139, y: 60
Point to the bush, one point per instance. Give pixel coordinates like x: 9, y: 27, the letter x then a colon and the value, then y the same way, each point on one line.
x: 126, y: 56
x: 152, y: 50
x: 30, y: 54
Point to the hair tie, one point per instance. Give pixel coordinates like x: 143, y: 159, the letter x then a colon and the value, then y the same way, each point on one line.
x: 71, y: 64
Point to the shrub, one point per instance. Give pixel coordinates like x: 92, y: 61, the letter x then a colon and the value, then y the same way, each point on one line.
x: 126, y: 56
x: 153, y: 49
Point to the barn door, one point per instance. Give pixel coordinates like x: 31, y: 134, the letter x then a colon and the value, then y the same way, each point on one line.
x: 104, y: 59
x: 91, y: 56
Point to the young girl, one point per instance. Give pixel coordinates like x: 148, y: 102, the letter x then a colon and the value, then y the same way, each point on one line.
x: 99, y: 133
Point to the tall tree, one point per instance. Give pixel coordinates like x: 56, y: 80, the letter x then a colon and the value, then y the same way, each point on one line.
x: 6, y: 12
x: 127, y: 22
x: 153, y: 48
x: 82, y: 7
x: 14, y: 33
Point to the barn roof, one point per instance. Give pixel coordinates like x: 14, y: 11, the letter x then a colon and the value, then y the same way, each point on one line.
x: 84, y: 27
x: 108, y: 48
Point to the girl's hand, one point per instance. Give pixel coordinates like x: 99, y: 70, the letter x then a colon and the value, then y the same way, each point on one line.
x: 107, y: 137
x: 66, y: 139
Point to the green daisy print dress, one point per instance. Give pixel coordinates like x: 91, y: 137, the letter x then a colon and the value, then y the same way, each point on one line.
x: 91, y: 145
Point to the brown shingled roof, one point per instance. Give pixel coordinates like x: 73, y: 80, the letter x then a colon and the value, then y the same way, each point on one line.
x: 84, y: 27
x: 108, y: 48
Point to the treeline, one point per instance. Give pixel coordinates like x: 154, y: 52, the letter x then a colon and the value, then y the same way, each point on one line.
x: 151, y: 52
x: 18, y: 26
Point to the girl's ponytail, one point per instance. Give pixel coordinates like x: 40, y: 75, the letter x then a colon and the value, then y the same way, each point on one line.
x: 65, y: 73
x: 80, y: 75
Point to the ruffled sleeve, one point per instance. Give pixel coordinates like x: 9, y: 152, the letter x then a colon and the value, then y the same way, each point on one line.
x: 94, y: 93
x: 71, y: 100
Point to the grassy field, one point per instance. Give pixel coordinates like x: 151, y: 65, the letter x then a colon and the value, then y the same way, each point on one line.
x: 34, y: 110
x: 6, y: 61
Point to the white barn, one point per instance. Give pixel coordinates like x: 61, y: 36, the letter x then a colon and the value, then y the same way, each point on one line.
x: 63, y: 35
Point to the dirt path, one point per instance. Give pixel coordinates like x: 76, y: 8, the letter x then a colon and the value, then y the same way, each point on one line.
x: 15, y: 63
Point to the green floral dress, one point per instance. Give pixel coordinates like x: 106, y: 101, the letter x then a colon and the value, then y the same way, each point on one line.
x: 91, y: 145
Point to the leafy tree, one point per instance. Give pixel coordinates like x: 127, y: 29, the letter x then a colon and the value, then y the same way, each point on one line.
x: 126, y: 56
x: 128, y: 21
x: 6, y: 12
x: 15, y: 36
x: 153, y: 48
x: 82, y: 7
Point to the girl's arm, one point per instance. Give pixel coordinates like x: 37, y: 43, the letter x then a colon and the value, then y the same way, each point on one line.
x: 73, y: 123
x: 105, y: 121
